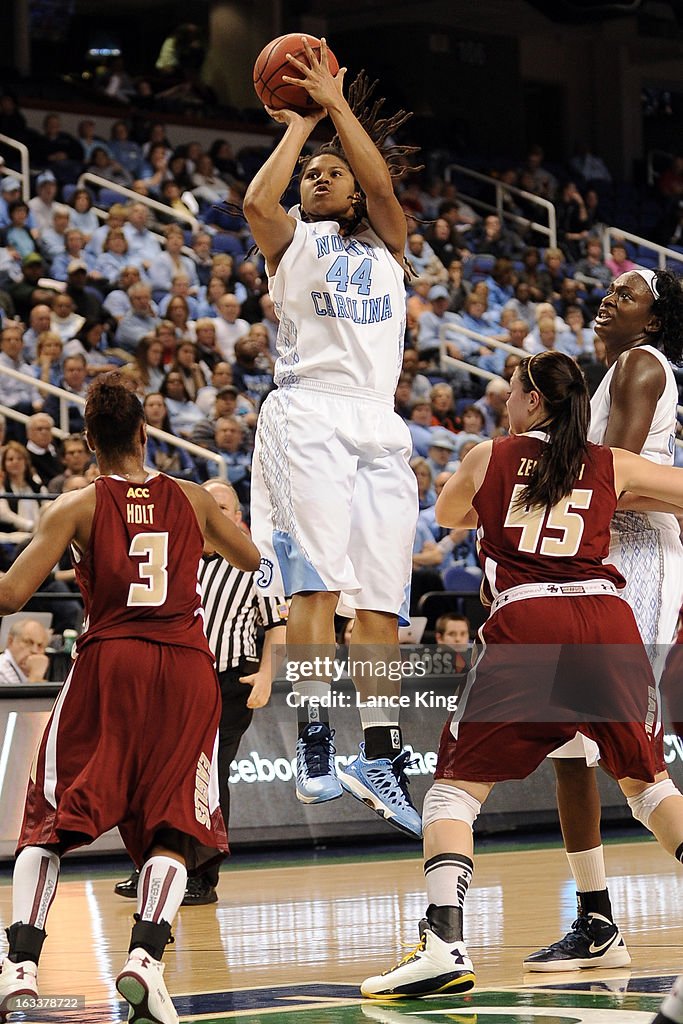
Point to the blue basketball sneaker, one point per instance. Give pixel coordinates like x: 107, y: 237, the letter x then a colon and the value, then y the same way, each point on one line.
x: 382, y: 784
x: 316, y: 777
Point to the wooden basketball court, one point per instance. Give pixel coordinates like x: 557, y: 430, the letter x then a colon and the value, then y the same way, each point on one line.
x: 290, y: 944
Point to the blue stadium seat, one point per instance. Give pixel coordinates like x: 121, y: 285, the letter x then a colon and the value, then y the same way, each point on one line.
x: 107, y: 197
x: 227, y: 243
x: 457, y: 578
x: 67, y: 192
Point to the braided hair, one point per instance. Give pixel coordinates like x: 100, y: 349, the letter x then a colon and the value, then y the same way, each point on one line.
x: 380, y: 130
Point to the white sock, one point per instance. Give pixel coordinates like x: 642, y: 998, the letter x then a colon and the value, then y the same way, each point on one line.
x: 34, y: 885
x: 371, y: 716
x: 588, y: 869
x: 309, y: 706
x: 448, y: 877
x: 161, y: 888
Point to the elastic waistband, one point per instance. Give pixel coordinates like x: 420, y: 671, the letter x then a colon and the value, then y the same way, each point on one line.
x: 530, y: 590
x: 341, y: 390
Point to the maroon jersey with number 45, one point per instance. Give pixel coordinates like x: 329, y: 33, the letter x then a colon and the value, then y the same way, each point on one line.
x: 564, y: 544
x: 138, y: 576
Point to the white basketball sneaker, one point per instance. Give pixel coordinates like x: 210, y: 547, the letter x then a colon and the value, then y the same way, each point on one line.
x: 434, y: 966
x: 16, y: 980
x: 141, y: 983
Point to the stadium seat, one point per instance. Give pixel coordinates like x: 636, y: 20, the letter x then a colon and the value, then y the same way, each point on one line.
x: 227, y: 243
x: 107, y: 197
x: 458, y: 578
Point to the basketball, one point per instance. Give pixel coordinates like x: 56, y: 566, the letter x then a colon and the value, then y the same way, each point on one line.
x: 271, y: 64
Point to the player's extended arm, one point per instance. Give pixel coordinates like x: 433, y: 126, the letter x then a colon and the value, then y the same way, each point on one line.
x: 367, y: 163
x: 66, y: 519
x: 454, y: 504
x: 271, y: 226
x: 220, y: 533
x: 639, y: 475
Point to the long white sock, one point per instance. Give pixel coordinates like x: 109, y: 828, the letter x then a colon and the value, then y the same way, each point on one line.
x: 34, y: 885
x: 161, y: 888
x: 588, y: 869
x: 448, y: 877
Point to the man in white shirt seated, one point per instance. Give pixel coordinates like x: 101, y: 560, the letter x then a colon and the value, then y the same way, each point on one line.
x: 24, y: 660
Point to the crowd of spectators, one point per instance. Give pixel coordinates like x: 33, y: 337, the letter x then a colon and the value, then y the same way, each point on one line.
x: 187, y: 318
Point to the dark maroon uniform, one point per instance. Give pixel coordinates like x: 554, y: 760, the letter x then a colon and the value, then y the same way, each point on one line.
x: 132, y: 738
x: 561, y: 650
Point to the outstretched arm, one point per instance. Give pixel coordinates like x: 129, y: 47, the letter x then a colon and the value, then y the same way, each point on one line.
x: 272, y: 228
x: 639, y: 475
x: 220, y: 533
x: 454, y: 505
x: 367, y: 163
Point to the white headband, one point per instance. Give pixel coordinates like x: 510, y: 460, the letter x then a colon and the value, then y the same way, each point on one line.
x: 650, y: 279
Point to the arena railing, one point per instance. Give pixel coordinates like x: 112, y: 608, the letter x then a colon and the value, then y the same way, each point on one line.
x: 67, y: 397
x: 614, y: 234
x: 131, y: 195
x: 548, y: 229
x: 24, y: 174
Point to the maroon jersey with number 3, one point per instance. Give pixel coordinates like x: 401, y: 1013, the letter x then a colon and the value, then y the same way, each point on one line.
x: 560, y: 545
x: 138, y: 576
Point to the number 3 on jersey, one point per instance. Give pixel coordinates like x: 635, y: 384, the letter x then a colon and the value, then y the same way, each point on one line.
x: 153, y: 547
x: 531, y: 522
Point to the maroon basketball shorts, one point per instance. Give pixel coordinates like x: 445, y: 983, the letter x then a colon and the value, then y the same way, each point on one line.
x: 131, y: 742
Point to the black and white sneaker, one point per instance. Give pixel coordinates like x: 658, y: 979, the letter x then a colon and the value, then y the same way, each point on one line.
x: 594, y: 941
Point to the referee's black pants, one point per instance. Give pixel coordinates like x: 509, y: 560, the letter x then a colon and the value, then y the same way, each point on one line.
x: 235, y: 720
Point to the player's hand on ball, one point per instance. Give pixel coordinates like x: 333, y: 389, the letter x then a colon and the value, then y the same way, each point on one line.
x: 318, y: 81
x: 287, y: 117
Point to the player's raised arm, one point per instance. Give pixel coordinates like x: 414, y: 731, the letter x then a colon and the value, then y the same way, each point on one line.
x: 454, y: 504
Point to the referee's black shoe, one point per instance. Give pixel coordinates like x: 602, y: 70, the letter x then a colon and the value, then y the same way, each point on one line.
x: 129, y: 888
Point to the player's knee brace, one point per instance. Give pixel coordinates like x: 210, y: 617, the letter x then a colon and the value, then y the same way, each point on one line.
x: 448, y: 803
x: 649, y: 800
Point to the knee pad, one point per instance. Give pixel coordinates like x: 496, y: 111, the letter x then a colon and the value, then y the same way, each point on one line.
x: 448, y: 803
x: 649, y: 800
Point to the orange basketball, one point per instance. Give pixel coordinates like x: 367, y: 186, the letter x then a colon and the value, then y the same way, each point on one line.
x: 271, y: 64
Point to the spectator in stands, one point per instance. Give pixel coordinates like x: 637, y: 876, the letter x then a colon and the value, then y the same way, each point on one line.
x: 221, y: 378
x: 618, y: 262
x: 104, y: 166
x: 425, y: 481
x: 500, y: 283
x: 493, y: 238
x: 583, y: 343
x: 521, y: 305
x: 141, y: 319
x: 229, y: 444
x: 440, y: 239
x: 47, y: 365
x: 420, y: 384
x: 424, y: 260
x: 172, y: 196
x: 18, y: 235
x: 182, y: 410
x: 460, y: 216
x: 420, y: 426
x: 74, y: 381
x: 443, y: 406
x: 18, y: 515
x: 221, y: 152
x: 178, y: 313
x: 59, y: 151
x: 592, y: 271
x: 88, y: 139
x: 92, y: 342
x: 19, y: 395
x: 117, y: 303
x: 229, y: 325
x: 186, y: 363
x: 207, y: 347
x: 496, y: 360
x: 65, y: 321
x: 39, y: 444
x: 142, y: 245
x: 476, y: 317
x: 149, y: 356
x: 491, y: 404
x: 24, y: 660
x: 458, y: 287
x: 441, y: 451
x: 10, y: 191
x: 572, y: 221
x: 472, y: 420
x: 557, y: 270
x: 587, y: 166
x: 429, y: 337
x: 207, y: 185
x: 249, y: 378
x: 26, y: 292
x: 172, y: 262
x: 537, y: 277
x: 249, y: 287
x: 116, y: 218
x: 42, y: 205
x: 403, y: 397
x: 543, y: 183
x: 571, y: 294
x: 113, y: 258
x: 82, y: 215
x: 74, y: 251
x: 201, y: 247
x: 52, y: 240
x: 39, y: 321
x: 164, y: 456
x: 124, y: 150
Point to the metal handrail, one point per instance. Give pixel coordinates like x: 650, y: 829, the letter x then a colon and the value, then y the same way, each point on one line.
x: 549, y: 229
x: 619, y: 234
x: 66, y: 397
x: 476, y: 336
x: 24, y: 174
x: 129, y: 193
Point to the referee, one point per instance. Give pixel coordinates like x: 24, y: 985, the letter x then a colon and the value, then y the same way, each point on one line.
x: 233, y: 610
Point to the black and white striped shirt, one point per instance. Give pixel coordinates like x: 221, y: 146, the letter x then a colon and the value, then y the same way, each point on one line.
x: 233, y: 609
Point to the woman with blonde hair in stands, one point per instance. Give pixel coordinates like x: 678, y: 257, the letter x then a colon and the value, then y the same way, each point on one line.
x: 47, y: 366
x: 114, y: 257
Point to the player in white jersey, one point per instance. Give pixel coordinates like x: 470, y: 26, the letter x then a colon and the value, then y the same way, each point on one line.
x: 640, y: 322
x: 334, y: 501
